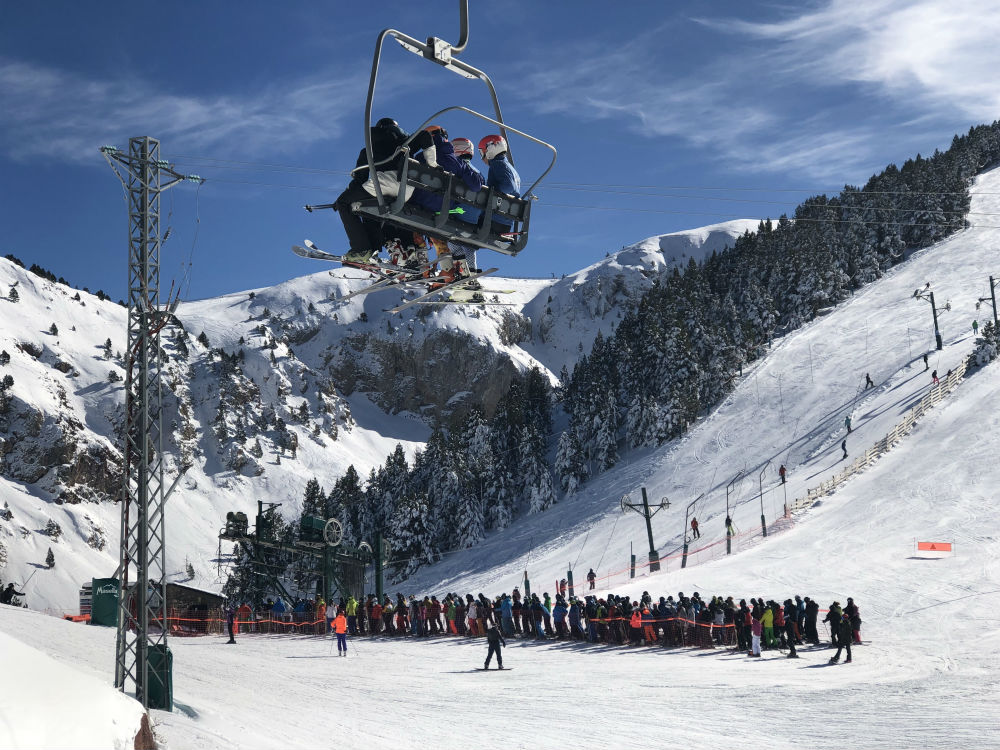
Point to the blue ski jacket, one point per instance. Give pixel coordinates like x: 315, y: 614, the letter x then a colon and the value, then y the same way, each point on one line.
x: 447, y: 161
x: 503, y: 177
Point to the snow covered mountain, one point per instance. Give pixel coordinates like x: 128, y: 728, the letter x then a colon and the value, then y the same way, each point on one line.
x: 929, y: 670
x: 264, y: 390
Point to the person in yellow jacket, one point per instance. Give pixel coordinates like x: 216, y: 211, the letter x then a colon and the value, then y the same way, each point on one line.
x: 767, y: 623
x: 340, y: 627
x: 352, y: 615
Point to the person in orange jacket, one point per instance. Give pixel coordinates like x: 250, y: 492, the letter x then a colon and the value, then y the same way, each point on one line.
x: 340, y: 626
x: 635, y: 624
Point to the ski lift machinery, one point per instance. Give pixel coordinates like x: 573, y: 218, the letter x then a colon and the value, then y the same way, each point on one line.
x: 441, y: 224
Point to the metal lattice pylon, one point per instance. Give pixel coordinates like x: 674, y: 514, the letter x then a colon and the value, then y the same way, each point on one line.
x: 142, y: 613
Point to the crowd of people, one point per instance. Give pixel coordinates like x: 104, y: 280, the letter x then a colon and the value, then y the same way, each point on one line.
x: 750, y: 626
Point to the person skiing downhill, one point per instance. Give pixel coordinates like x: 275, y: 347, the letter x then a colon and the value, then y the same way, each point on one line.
x: 843, y: 445
x: 494, y: 638
x: 592, y: 578
x: 869, y: 383
x: 695, y: 534
x: 781, y: 473
x: 847, y: 423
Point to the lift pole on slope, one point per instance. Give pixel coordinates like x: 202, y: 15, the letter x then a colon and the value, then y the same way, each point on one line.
x: 729, y: 513
x: 760, y: 481
x: 992, y: 298
x: 926, y: 294
x: 627, y: 504
x: 142, y: 658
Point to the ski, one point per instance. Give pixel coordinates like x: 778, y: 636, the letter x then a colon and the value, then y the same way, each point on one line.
x: 487, y: 669
x: 457, y: 284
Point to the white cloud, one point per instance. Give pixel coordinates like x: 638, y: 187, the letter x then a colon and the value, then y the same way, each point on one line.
x: 944, y: 53
x: 56, y: 114
x: 826, y: 93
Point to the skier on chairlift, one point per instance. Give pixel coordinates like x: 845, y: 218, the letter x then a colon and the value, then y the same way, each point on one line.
x: 502, y: 175
x: 365, y: 235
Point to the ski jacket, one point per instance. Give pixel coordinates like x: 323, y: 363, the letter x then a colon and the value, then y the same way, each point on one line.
x: 494, y: 637
x: 473, y: 611
x: 470, y: 214
x: 756, y: 628
x: 331, y: 611
x: 352, y: 606
x: 447, y: 161
x: 384, y: 143
x: 503, y: 177
x: 767, y: 619
x: 845, y: 630
x: 559, y: 613
x: 636, y: 620
x: 506, y: 608
x: 790, y: 613
x: 340, y: 624
x: 779, y: 617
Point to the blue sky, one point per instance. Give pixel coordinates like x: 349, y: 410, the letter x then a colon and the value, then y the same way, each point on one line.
x: 666, y: 116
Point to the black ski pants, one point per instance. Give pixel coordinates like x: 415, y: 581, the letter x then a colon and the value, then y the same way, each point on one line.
x: 845, y: 643
x: 495, y: 649
x: 364, y: 235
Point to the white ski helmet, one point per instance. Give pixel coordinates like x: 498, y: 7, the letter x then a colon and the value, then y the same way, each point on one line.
x: 463, y: 147
x: 492, y: 145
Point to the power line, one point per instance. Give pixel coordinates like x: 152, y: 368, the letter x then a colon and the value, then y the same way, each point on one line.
x: 221, y: 164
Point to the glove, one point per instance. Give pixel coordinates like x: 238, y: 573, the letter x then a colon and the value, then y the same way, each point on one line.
x: 422, y: 140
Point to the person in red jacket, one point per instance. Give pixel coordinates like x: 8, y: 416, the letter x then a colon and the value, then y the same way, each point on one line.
x: 695, y: 534
x: 340, y: 627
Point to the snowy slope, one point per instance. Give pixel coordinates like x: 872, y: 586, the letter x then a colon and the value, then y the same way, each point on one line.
x: 46, y: 703
x: 928, y: 675
x: 64, y: 447
x: 788, y: 408
x: 568, y: 314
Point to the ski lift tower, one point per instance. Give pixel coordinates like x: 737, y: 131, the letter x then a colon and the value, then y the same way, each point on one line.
x: 142, y: 658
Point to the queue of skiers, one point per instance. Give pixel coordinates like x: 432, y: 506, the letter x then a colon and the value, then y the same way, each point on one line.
x: 682, y: 621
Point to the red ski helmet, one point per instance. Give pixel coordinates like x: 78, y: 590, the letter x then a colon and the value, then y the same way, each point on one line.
x: 492, y: 145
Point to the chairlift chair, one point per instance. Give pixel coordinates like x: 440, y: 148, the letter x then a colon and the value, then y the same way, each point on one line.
x: 443, y: 224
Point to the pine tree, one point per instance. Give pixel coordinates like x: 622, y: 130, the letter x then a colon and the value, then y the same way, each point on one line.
x: 412, y: 543
x: 571, y: 464
x: 12, y: 295
x: 314, y: 500
x: 536, y: 488
x: 50, y: 559
x: 54, y: 329
x: 4, y: 357
x: 256, y: 451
